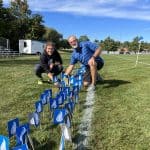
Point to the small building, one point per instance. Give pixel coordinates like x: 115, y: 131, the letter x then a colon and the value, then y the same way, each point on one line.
x: 31, y: 47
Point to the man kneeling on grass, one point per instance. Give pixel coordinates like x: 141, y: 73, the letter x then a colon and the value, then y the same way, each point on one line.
x: 50, y: 63
x: 87, y: 54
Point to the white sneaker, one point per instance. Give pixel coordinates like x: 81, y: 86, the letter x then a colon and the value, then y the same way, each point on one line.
x: 91, y: 88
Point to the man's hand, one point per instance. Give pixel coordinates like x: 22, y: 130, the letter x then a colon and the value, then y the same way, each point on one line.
x: 91, y: 62
x: 50, y: 75
x: 51, y: 66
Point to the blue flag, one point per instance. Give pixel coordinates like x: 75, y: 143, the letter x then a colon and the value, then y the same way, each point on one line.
x: 70, y: 106
x: 34, y: 119
x: 26, y: 126
x: 71, y: 94
x: 60, y: 98
x: 72, y: 80
x: 55, y: 79
x: 12, y: 126
x: 67, y: 90
x: 67, y: 120
x: 140, y: 38
x: 21, y: 134
x: 48, y: 94
x: 43, y: 98
x: 38, y: 106
x: 22, y: 147
x: 76, y: 97
x: 4, y: 143
x: 76, y: 89
x: 53, y: 103
x: 59, y: 115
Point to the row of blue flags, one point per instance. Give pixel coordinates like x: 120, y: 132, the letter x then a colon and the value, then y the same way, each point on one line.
x: 62, y: 106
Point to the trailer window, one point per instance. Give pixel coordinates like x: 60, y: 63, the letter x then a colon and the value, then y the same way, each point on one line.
x: 25, y: 44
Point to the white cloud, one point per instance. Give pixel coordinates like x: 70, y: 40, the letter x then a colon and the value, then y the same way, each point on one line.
x: 128, y: 9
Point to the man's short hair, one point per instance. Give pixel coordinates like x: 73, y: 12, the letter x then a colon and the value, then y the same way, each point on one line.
x: 72, y: 36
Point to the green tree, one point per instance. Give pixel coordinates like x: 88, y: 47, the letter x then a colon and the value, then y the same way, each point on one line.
x: 83, y: 38
x: 97, y: 42
x: 109, y: 44
x: 134, y: 45
x: 23, y: 24
x: 1, y: 4
x: 64, y: 44
x: 35, y: 29
x: 52, y: 35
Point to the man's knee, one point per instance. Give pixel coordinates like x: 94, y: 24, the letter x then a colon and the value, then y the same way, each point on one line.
x: 93, y: 65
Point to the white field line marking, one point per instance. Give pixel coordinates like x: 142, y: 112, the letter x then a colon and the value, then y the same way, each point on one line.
x: 85, y: 126
x: 140, y: 62
x: 143, y: 63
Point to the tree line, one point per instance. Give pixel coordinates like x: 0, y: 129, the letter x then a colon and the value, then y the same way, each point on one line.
x: 18, y: 22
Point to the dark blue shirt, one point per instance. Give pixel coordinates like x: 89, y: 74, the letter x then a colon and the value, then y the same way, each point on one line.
x: 84, y: 52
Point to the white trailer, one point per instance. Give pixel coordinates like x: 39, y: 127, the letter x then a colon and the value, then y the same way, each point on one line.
x: 31, y: 47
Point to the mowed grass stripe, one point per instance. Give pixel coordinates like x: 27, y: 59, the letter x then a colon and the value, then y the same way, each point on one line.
x: 122, y: 114
x: 121, y: 110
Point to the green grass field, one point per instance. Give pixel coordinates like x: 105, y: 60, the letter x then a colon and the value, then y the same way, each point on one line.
x: 121, y: 118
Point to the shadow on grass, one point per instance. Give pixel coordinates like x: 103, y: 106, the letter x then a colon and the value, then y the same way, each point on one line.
x: 78, y: 140
x: 113, y: 83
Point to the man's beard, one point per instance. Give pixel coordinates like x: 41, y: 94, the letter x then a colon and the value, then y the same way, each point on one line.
x: 75, y: 46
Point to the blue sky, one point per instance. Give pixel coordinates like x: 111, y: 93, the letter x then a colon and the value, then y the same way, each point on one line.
x: 98, y: 19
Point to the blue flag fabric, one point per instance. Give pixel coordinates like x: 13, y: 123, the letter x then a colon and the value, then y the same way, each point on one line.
x: 70, y: 106
x: 4, y: 143
x: 26, y: 126
x: 43, y: 98
x: 48, y: 94
x: 60, y: 98
x: 38, y: 106
x: 12, y: 126
x: 71, y: 94
x: 58, y: 116
x: 21, y: 134
x: 76, y: 89
x: 76, y: 97
x: 140, y: 38
x: 67, y: 90
x: 55, y: 79
x: 67, y: 120
x: 34, y: 119
x: 22, y: 147
x: 53, y: 103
